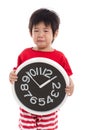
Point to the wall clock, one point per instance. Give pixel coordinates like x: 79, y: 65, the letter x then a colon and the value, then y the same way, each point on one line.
x: 40, y: 88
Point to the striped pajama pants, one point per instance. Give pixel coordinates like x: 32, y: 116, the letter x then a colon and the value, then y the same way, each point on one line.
x: 29, y: 121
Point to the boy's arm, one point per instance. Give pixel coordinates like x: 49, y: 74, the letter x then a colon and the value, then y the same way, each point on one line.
x: 13, y: 77
x: 70, y: 89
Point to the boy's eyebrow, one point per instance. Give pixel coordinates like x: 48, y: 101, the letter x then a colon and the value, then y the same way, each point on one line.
x: 35, y: 27
x: 47, y: 27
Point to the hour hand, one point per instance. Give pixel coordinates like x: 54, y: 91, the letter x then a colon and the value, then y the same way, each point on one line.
x: 48, y: 81
x: 32, y: 79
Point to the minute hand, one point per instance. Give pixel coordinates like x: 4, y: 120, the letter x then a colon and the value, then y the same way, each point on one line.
x: 48, y: 81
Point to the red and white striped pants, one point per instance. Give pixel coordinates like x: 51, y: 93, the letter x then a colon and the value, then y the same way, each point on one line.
x: 29, y: 121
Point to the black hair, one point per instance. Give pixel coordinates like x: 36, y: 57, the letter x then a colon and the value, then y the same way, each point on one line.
x: 47, y: 16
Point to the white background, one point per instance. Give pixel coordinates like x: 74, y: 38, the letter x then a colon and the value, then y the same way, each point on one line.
x: 14, y: 37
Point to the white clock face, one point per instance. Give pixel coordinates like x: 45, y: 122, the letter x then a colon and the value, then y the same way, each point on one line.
x: 40, y: 88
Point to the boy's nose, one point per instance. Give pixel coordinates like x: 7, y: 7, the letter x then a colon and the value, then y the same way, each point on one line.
x: 41, y: 33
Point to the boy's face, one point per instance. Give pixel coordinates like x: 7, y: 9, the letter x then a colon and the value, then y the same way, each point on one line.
x: 42, y: 35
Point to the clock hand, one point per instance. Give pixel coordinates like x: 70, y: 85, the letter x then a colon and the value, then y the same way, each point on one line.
x: 32, y: 79
x: 48, y: 81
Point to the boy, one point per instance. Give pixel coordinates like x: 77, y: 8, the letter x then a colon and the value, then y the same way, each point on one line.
x: 43, y: 28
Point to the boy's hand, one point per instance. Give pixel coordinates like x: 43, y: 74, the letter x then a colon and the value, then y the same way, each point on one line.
x: 12, y: 77
x: 69, y: 89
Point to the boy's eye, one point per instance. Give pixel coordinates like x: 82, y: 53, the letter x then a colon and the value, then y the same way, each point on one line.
x: 46, y: 31
x: 36, y: 30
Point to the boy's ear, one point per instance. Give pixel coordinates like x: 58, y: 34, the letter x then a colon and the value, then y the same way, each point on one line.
x: 30, y: 33
x: 56, y: 34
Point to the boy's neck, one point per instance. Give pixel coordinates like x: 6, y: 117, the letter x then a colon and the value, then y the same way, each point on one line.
x: 50, y: 49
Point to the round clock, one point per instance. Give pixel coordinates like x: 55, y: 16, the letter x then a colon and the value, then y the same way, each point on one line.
x: 40, y: 88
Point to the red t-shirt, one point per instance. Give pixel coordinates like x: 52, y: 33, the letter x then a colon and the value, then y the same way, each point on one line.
x: 55, y: 55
